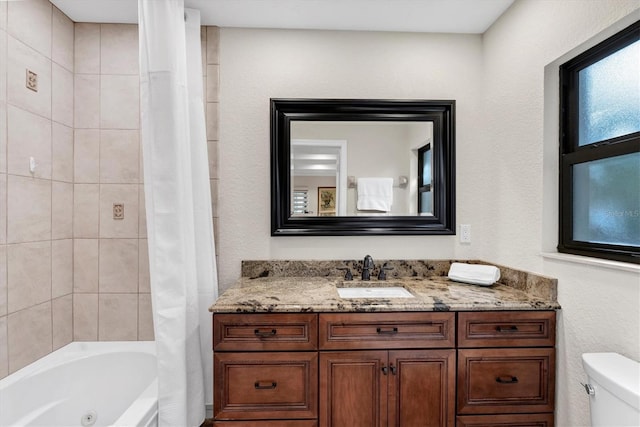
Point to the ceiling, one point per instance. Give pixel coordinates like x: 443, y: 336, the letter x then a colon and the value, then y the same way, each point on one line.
x: 434, y: 16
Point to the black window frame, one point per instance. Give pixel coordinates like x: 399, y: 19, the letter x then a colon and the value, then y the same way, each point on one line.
x: 422, y: 187
x: 571, y: 153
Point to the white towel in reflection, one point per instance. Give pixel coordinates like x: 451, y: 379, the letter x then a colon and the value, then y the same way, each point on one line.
x: 375, y: 194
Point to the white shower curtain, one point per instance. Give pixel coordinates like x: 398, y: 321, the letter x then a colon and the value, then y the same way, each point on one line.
x: 178, y: 204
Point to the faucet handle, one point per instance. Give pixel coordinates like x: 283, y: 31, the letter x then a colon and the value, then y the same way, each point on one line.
x: 347, y: 273
x: 383, y: 275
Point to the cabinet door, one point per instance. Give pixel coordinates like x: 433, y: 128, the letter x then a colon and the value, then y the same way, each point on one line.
x: 422, y: 388
x: 353, y: 389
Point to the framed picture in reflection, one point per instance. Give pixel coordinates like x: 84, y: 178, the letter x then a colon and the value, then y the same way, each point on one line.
x: 326, y: 201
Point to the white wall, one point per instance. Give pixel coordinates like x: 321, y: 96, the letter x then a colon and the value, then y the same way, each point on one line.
x: 260, y: 64
x: 519, y: 149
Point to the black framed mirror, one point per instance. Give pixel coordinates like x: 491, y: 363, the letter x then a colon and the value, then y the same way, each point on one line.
x: 344, y: 167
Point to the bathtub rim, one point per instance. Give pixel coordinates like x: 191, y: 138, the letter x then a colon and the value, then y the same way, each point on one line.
x: 143, y: 411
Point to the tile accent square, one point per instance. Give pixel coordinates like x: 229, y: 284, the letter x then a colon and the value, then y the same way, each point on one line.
x: 85, y: 265
x: 118, y: 266
x: 85, y: 317
x: 126, y: 194
x: 31, y: 81
x: 29, y: 335
x: 28, y: 209
x: 20, y: 58
x: 29, y: 274
x: 118, y: 317
x: 61, y: 267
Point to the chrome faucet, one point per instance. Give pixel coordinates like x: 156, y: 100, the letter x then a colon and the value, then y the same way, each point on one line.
x: 367, y: 266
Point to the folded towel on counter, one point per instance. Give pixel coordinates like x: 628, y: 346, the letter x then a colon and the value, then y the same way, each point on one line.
x: 475, y: 274
x: 375, y: 194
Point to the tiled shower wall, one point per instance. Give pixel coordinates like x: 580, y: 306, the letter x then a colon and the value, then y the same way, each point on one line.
x: 36, y: 246
x: 68, y: 269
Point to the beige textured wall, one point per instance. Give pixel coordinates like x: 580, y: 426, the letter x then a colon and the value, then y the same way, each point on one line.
x: 600, y: 304
x: 36, y: 246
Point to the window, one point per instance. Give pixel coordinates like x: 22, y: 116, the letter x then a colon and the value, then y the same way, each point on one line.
x: 300, y: 202
x: 600, y: 150
x: 425, y: 198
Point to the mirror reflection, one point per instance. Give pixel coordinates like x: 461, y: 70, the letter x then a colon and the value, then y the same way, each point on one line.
x: 355, y: 168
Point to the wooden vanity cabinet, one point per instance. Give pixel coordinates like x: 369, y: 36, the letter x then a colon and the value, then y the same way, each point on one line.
x: 506, y: 365
x: 384, y: 369
x: 366, y: 385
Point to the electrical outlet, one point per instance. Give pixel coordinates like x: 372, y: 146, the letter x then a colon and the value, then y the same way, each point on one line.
x: 465, y: 233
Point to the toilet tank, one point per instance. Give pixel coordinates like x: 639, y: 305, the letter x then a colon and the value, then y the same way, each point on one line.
x: 615, y: 381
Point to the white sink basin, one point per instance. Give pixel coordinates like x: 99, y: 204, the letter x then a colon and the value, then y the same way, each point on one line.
x: 375, y: 292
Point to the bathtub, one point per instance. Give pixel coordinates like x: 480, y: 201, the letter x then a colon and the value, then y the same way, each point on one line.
x: 84, y: 384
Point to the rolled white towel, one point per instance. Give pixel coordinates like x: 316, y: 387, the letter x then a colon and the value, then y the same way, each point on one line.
x: 475, y: 274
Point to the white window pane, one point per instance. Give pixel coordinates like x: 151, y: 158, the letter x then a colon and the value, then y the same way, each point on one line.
x: 606, y: 202
x: 609, y: 92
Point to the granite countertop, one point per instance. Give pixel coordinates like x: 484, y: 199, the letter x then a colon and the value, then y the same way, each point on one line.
x: 273, y: 288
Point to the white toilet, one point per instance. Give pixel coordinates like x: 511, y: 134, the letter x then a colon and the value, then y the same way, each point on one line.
x: 613, y: 388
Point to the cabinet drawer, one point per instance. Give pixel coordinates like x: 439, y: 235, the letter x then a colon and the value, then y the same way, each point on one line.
x: 512, y: 420
x: 506, y: 380
x: 263, y: 423
x: 265, y: 386
x: 265, y: 332
x: 507, y: 329
x: 386, y: 330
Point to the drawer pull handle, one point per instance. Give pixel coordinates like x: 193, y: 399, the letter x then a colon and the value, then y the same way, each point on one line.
x: 507, y: 380
x: 394, y: 370
x: 387, y: 331
x: 511, y: 328
x: 265, y: 334
x: 265, y: 385
x: 385, y: 370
